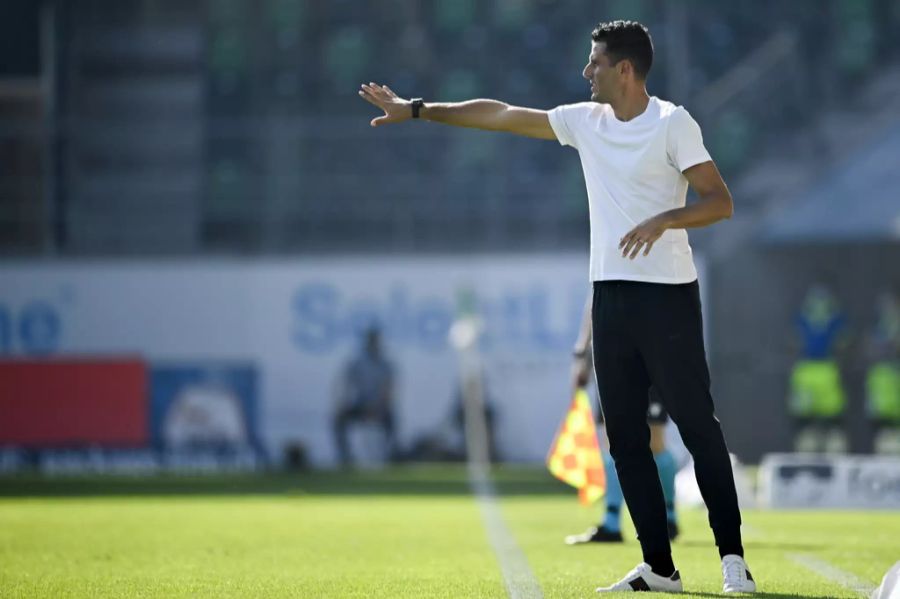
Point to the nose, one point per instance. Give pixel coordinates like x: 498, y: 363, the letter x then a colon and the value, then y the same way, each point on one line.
x: 586, y: 73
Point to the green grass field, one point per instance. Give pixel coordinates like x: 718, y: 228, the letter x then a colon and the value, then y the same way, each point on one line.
x: 410, y: 532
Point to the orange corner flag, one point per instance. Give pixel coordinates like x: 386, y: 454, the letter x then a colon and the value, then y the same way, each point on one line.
x: 574, y: 457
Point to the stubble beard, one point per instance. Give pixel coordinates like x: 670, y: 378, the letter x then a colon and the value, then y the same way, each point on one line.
x: 595, y: 95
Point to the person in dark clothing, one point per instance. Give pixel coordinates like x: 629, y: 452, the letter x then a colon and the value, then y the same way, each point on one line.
x: 366, y: 394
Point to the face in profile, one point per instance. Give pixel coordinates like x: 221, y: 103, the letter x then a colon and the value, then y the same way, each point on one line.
x: 601, y: 73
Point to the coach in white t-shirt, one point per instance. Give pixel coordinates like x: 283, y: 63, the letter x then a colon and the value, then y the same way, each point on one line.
x: 633, y: 170
x: 639, y: 155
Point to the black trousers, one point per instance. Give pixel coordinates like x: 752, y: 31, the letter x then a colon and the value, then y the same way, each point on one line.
x: 652, y: 334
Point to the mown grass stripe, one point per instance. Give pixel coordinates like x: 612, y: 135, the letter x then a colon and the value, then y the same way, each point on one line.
x: 833, y: 573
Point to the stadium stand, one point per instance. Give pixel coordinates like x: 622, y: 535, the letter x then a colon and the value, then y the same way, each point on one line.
x: 177, y: 128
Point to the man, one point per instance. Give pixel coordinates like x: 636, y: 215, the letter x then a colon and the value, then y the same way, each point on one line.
x: 365, y: 394
x: 883, y: 377
x: 816, y: 401
x: 639, y: 154
x: 610, y: 530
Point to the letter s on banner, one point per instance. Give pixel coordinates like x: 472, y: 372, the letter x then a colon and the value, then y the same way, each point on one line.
x: 314, y: 328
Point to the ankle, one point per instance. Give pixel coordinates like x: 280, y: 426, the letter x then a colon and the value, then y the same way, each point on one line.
x: 737, y: 550
x: 661, y: 564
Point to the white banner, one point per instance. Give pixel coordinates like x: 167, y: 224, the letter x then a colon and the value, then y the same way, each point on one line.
x: 298, y: 321
x: 809, y: 481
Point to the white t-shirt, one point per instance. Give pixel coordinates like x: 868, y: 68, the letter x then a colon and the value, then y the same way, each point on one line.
x: 633, y: 171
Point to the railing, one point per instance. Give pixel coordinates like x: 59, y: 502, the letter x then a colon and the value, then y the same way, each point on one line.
x: 347, y: 188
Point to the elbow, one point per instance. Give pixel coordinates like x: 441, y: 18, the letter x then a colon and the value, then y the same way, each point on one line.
x: 727, y: 206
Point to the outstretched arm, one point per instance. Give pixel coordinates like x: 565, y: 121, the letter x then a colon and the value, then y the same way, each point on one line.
x: 489, y: 115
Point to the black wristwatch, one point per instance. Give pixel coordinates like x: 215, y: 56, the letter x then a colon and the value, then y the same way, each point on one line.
x: 417, y: 104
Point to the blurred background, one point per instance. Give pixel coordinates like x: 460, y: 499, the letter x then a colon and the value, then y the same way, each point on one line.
x: 208, y: 259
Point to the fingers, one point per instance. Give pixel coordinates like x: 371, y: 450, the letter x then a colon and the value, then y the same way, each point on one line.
x: 378, y: 95
x: 631, y: 246
x: 373, y: 91
x: 376, y: 90
x: 627, y: 243
x: 366, y: 93
x: 384, y: 98
x: 382, y: 92
x: 633, y: 242
x: 367, y: 98
x: 638, y: 245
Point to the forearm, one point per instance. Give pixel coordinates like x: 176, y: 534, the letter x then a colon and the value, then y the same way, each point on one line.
x: 705, y: 211
x: 581, y: 367
x: 583, y: 343
x: 475, y: 114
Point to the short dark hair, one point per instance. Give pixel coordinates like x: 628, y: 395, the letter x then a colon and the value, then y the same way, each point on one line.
x: 626, y: 40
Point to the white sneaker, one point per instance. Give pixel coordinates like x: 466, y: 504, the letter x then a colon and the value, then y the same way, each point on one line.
x: 736, y: 575
x: 642, y: 578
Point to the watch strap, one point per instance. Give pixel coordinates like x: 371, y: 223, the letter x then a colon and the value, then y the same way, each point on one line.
x: 417, y: 104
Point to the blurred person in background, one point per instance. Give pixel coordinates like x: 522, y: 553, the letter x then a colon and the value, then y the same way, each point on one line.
x: 447, y: 441
x: 609, y: 530
x: 817, y: 401
x: 639, y: 155
x: 365, y: 394
x: 883, y: 377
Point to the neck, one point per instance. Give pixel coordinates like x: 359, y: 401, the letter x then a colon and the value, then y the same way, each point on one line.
x: 630, y: 103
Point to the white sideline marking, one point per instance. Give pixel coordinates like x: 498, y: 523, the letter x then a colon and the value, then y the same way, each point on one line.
x: 834, y: 574
x: 517, y: 576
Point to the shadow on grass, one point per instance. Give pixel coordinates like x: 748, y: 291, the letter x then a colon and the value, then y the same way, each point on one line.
x: 413, y: 480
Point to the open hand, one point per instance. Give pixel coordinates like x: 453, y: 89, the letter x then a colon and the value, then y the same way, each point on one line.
x: 396, y: 109
x: 643, y: 237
